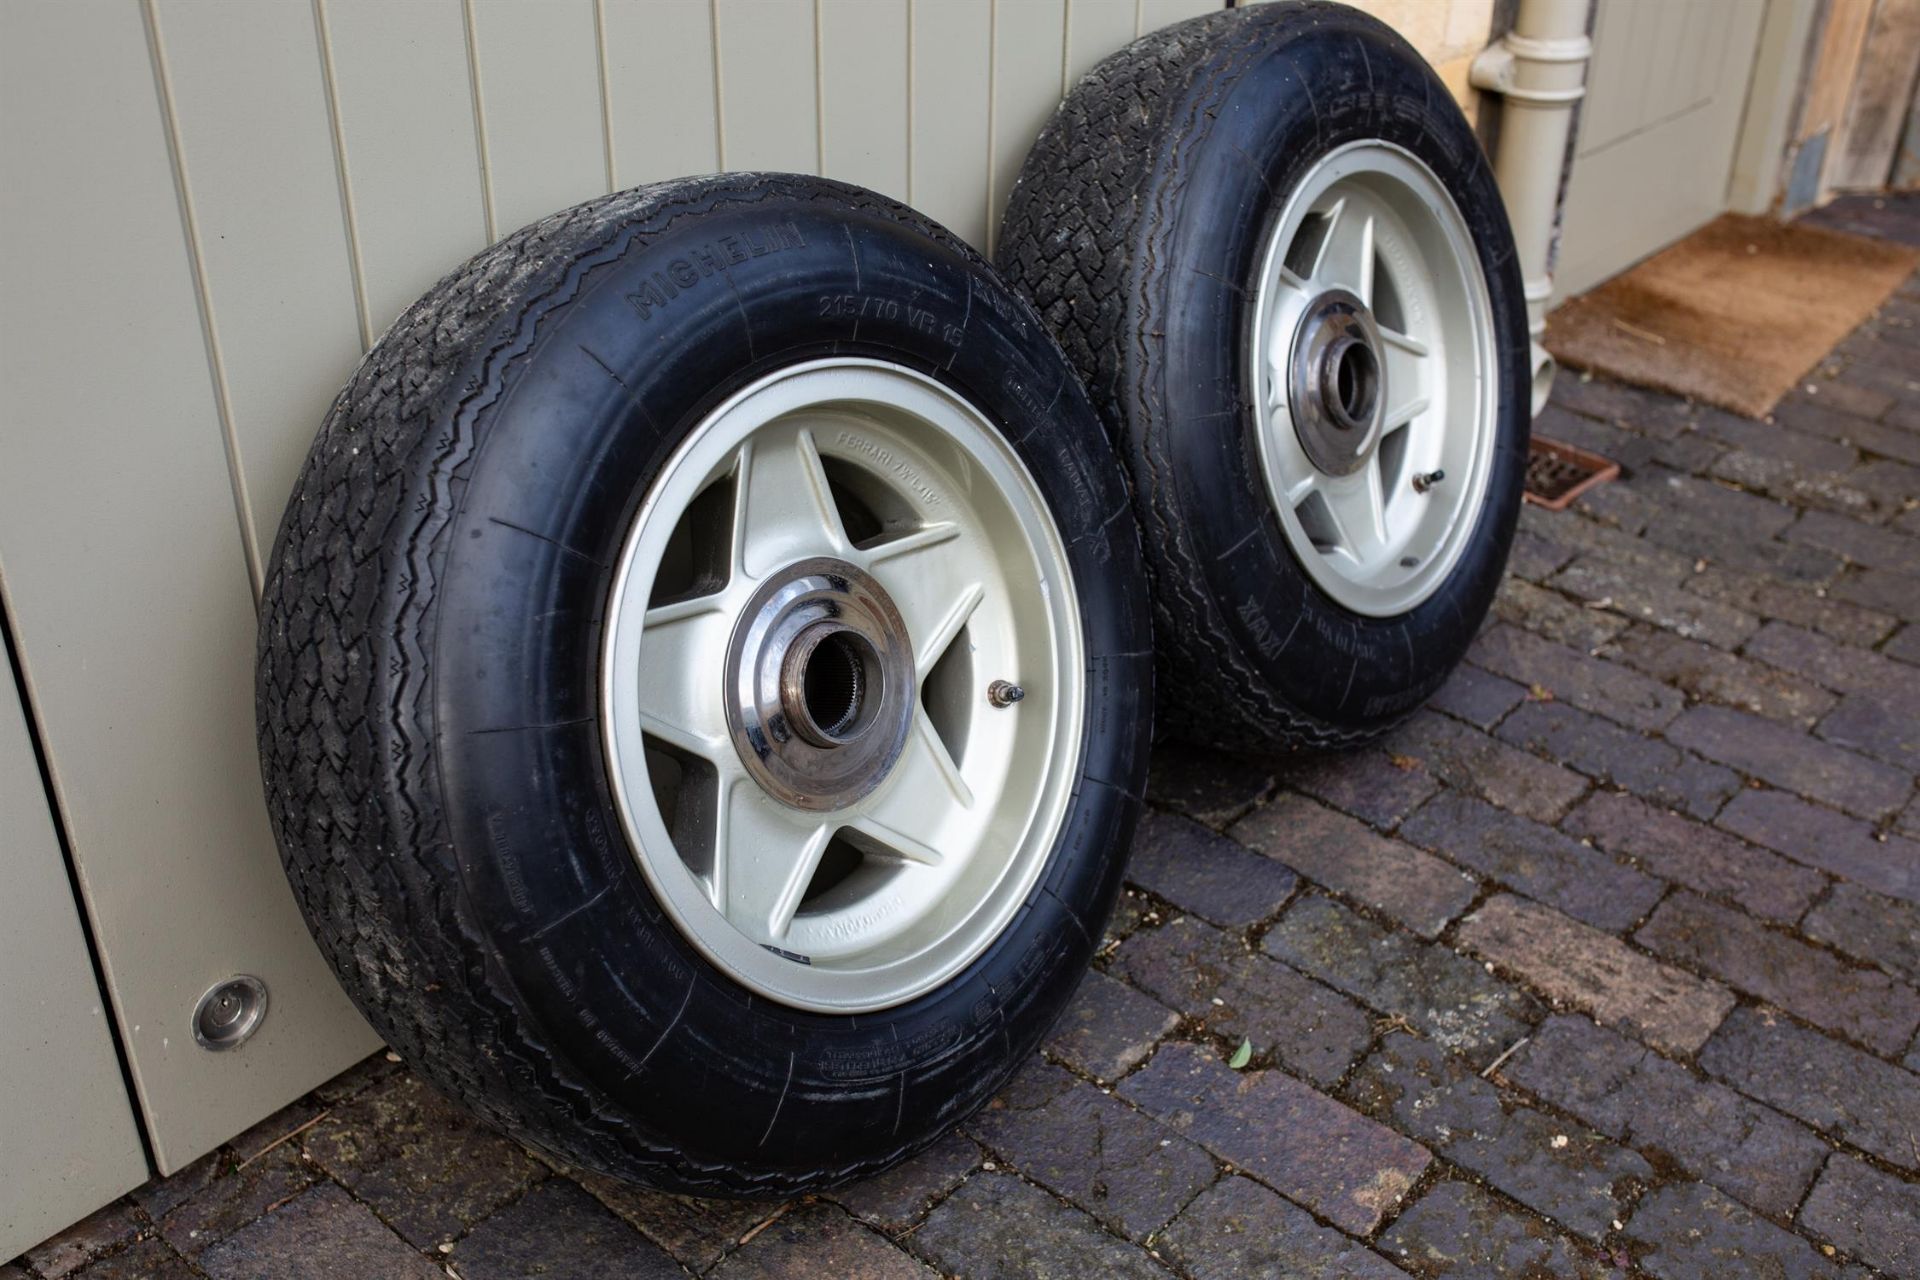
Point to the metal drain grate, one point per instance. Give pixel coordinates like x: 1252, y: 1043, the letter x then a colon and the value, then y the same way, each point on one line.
x: 1557, y: 472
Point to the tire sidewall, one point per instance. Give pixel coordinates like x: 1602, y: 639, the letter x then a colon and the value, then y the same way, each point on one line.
x: 1292, y: 92
x: 645, y: 1025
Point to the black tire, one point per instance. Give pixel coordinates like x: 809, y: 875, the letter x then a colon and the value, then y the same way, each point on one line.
x: 1135, y: 228
x: 443, y: 569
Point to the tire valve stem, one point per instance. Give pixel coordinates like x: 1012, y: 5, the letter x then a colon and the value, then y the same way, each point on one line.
x: 1004, y: 693
x: 1425, y: 480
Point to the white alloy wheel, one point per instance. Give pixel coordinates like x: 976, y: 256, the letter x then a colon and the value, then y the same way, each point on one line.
x: 843, y: 685
x: 1375, y: 377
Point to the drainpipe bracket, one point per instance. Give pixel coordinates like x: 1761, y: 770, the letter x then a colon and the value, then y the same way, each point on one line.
x: 1492, y: 69
x: 1504, y: 68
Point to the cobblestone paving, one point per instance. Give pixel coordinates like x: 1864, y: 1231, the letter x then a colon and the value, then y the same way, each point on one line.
x: 1605, y: 965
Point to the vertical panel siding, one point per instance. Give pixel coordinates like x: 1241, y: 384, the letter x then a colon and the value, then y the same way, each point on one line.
x: 1688, y: 74
x: 1617, y: 88
x: 1028, y: 53
x: 1095, y: 28
x: 1154, y: 14
x: 769, y: 90
x: 1669, y: 61
x: 66, y: 1124
x: 951, y: 70
x: 863, y: 93
x: 1668, y: 87
x: 404, y: 94
x: 661, y: 101
x: 124, y: 574
x: 256, y: 152
x: 537, y: 68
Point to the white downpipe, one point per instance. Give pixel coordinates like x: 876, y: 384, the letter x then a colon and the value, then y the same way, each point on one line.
x: 1539, y: 69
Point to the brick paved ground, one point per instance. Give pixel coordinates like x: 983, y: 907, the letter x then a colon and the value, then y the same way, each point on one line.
x: 1605, y: 965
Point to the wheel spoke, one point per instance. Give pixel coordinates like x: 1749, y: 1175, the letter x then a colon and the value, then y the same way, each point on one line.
x: 1285, y: 276
x: 931, y: 535
x: 1294, y: 469
x: 930, y: 643
x: 1359, y: 509
x: 1346, y: 254
x: 1406, y: 368
x: 783, y: 509
x: 765, y: 856
x: 917, y: 812
x: 934, y: 584
x: 941, y: 759
x: 682, y: 658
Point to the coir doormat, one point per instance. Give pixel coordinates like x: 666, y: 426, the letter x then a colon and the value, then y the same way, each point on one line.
x: 1734, y: 314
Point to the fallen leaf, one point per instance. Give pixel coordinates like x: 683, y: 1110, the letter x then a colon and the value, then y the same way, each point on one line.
x: 1241, y: 1056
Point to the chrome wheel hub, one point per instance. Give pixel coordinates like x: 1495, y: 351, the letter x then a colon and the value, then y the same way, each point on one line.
x: 1334, y: 382
x: 820, y: 678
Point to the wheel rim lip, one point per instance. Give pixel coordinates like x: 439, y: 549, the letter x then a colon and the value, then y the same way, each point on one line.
x: 846, y: 989
x: 1462, y: 334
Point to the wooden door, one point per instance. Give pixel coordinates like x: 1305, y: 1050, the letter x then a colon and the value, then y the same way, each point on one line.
x: 66, y: 1123
x: 1657, y: 133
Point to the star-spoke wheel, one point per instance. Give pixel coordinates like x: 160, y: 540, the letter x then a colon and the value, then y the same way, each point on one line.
x: 814, y: 600
x: 1374, y: 371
